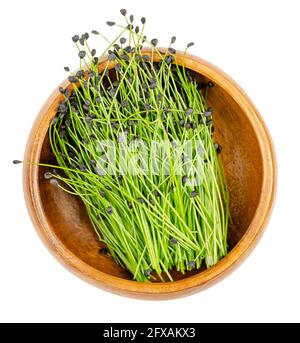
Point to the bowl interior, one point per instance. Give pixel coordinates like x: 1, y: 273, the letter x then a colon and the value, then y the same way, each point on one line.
x: 242, y: 161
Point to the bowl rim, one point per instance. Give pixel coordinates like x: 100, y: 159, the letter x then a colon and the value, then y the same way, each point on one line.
x: 168, y: 290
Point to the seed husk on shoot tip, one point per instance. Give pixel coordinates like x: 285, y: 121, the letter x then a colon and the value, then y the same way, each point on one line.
x: 81, y: 54
x: 154, y: 41
x: 53, y: 182
x: 218, y: 148
x: 189, y: 111
x: 123, y: 11
x: 103, y: 251
x: 194, y: 194
x: 123, y: 40
x: 147, y: 273
x: 191, y: 264
x: 48, y: 175
x: 173, y: 241
x: 75, y: 38
x: 185, y: 179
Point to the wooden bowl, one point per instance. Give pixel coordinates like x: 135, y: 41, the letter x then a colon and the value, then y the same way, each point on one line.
x: 249, y: 161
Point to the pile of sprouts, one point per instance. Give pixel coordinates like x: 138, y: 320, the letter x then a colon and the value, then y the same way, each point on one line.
x: 133, y: 138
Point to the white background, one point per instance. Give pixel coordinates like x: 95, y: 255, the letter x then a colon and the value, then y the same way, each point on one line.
x: 257, y: 43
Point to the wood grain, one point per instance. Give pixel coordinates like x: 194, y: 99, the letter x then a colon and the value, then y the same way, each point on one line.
x: 250, y: 166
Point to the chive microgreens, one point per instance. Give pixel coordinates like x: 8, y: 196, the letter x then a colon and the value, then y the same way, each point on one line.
x: 151, y: 222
